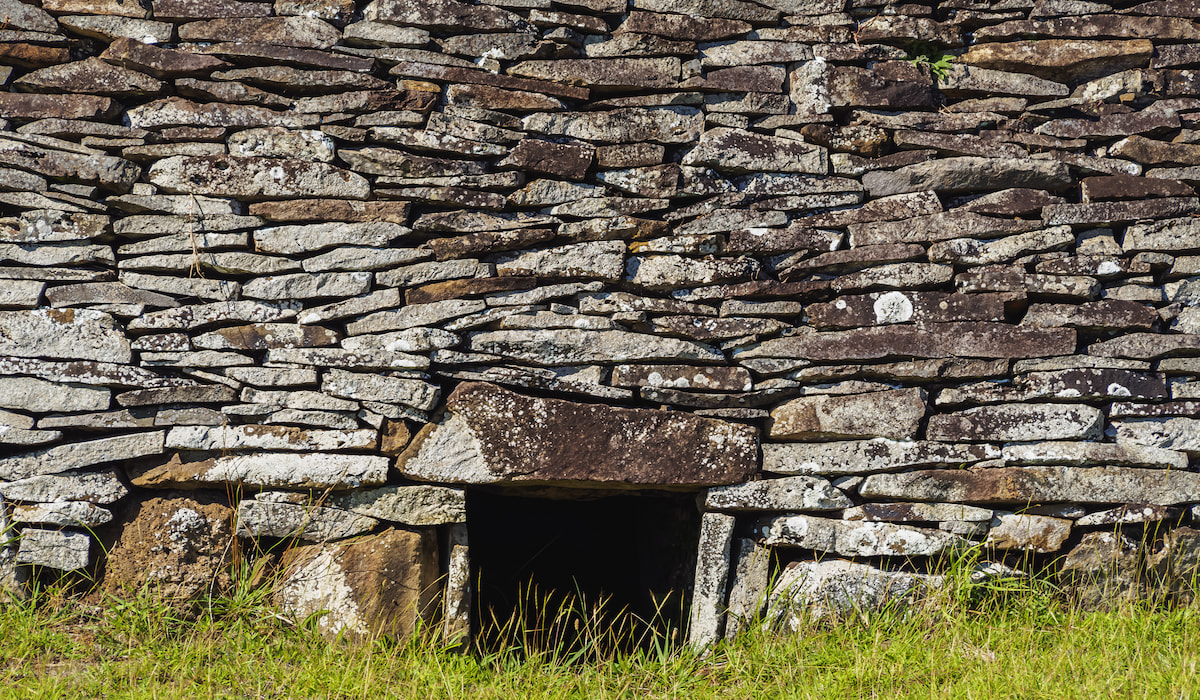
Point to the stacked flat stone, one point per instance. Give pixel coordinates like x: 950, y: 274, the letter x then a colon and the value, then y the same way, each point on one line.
x: 257, y: 248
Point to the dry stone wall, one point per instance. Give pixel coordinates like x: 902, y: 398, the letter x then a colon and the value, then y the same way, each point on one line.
x: 889, y: 278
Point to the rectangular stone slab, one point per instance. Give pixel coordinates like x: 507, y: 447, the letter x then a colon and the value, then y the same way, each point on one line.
x: 1038, y: 484
x: 492, y: 435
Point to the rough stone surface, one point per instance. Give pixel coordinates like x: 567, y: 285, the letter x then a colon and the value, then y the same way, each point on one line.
x: 383, y: 584
x: 484, y: 439
x: 794, y: 493
x: 835, y: 587
x: 853, y: 539
x: 890, y: 414
x: 178, y: 545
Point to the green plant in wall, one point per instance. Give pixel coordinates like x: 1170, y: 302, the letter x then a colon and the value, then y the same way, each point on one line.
x: 933, y: 58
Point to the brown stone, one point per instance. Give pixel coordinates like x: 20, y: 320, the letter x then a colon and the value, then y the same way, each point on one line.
x: 90, y: 76
x: 795, y: 238
x: 739, y: 79
x: 489, y: 97
x: 1130, y: 187
x: 681, y: 26
x: 604, y: 73
x: 394, y: 437
x: 850, y: 86
x: 33, y: 55
x: 16, y: 105
x: 300, y: 32
x: 445, y: 14
x: 978, y: 339
x: 564, y: 160
x: 368, y: 101
x: 323, y: 210
x: 683, y: 377
x: 1034, y: 485
x: 492, y: 435
x: 1017, y: 422
x: 1146, y: 346
x: 464, y: 288
x: 377, y: 585
x: 159, y: 62
x: 175, y: 10
x: 1150, y: 152
x: 1109, y: 314
x: 893, y: 414
x: 179, y: 546
x: 455, y: 74
x: 488, y: 242
x: 1101, y: 213
x: 1060, y: 59
x: 921, y: 307
x: 1018, y: 201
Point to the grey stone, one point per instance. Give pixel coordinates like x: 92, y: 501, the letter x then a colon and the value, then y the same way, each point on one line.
x: 890, y: 414
x: 1091, y: 453
x: 308, y: 286
x: 568, y: 346
x: 603, y: 260
x: 627, y: 125
x: 712, y: 571
x: 59, y: 159
x: 62, y: 458
x: 309, y: 470
x: 1176, y: 565
x: 352, y: 359
x: 793, y: 493
x: 54, y: 549
x: 198, y: 316
x: 1025, y: 485
x: 94, y: 487
x: 918, y: 512
x: 257, y: 437
x: 1179, y: 434
x: 1103, y: 570
x: 415, y: 506
x: 866, y: 456
x: 38, y: 396
x: 1030, y: 533
x: 372, y: 387
x: 851, y: 538
x: 67, y: 334
x: 743, y: 151
x: 1018, y: 423
x: 832, y: 588
x: 63, y: 514
x: 969, y: 174
x: 256, y: 178
x: 306, y: 523
x: 415, y: 315
x: 279, y: 142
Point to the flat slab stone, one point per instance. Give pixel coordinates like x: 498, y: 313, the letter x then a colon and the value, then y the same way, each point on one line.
x: 492, y: 435
x: 969, y: 174
x: 254, y: 179
x: 893, y: 414
x: 963, y: 339
x: 1027, y: 485
x: 94, y: 487
x: 76, y: 334
x: 853, y: 538
x: 54, y: 549
x: 1031, y: 533
x: 268, y: 437
x: 1180, y: 434
x: 1093, y: 453
x: 313, y: 470
x: 793, y: 493
x: 867, y: 456
x: 307, y: 523
x: 421, y: 505
x: 1019, y: 422
x: 569, y: 346
x: 81, y: 454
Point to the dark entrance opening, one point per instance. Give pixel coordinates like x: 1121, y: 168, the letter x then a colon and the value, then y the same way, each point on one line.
x: 609, y: 571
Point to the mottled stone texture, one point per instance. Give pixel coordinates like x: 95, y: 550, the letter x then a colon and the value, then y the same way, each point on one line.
x: 306, y: 253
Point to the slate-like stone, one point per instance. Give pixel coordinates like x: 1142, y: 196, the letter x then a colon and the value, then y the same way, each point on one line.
x: 1060, y: 59
x: 934, y: 340
x: 310, y: 470
x: 867, y: 456
x: 1030, y: 533
x: 969, y: 174
x: 25, y: 106
x: 558, y: 347
x: 682, y: 26
x: 793, y: 493
x: 90, y: 76
x: 1026, y: 485
x: 76, y: 455
x: 63, y: 334
x: 1092, y: 453
x: 42, y: 155
x: 889, y: 414
x: 415, y: 506
x: 263, y: 437
x: 256, y: 178
x: 481, y: 440
x: 627, y: 125
x: 54, y: 549
x: 853, y: 539
x: 1018, y: 422
x: 371, y: 387
x: 38, y: 396
x: 94, y: 487
x: 1103, y: 570
x: 737, y: 150
x: 307, y: 523
x: 299, y: 32
x: 1179, y: 434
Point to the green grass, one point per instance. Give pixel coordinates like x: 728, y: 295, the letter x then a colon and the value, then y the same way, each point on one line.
x: 975, y: 643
